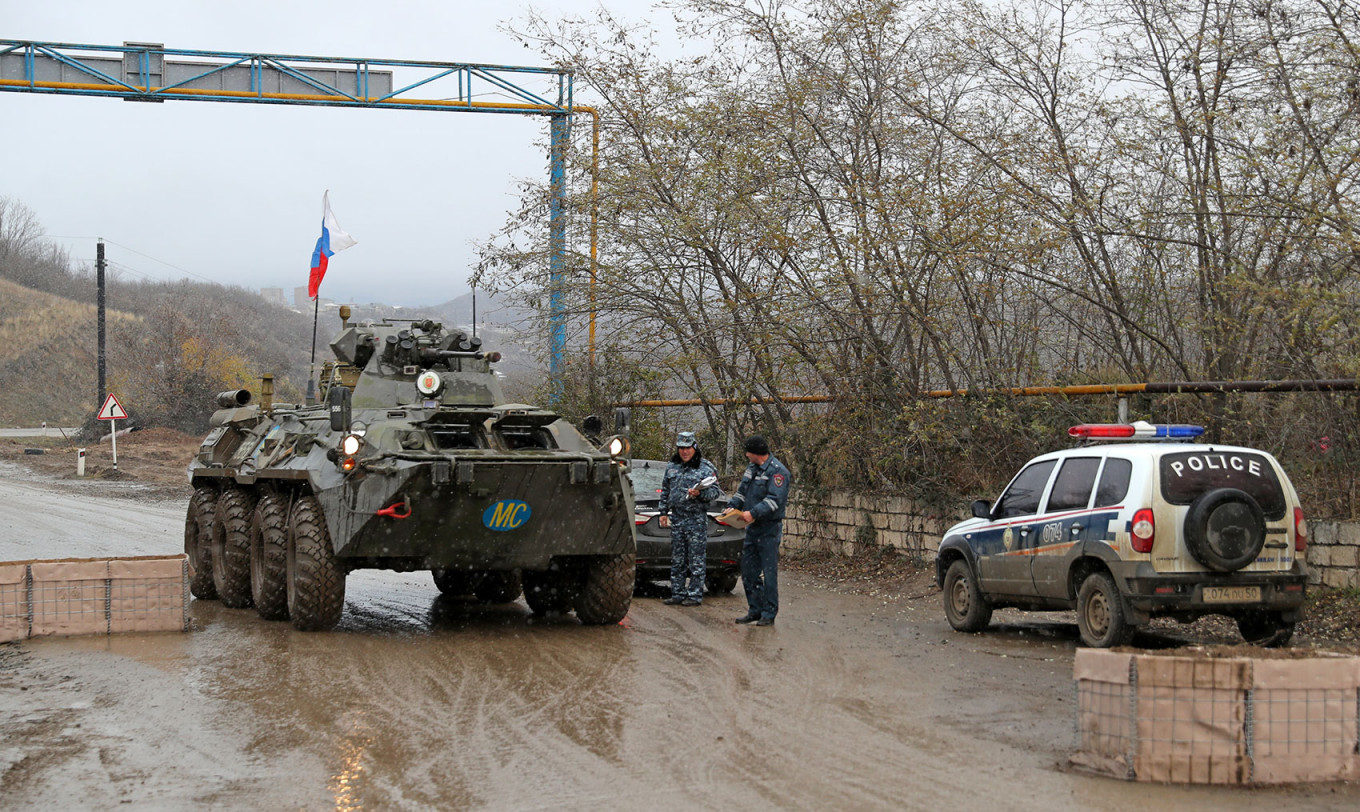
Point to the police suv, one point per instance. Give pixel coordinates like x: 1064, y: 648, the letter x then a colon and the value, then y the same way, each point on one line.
x: 1156, y: 525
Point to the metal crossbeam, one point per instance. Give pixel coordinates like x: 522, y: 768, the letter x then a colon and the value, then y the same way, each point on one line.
x: 150, y: 72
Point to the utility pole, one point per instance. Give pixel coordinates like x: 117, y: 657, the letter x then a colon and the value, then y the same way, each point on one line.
x: 99, y: 273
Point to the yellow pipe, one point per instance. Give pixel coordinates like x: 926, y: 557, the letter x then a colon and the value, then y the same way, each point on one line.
x: 1084, y: 389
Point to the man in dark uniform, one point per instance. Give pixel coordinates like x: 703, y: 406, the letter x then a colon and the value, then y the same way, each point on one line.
x: 761, y: 496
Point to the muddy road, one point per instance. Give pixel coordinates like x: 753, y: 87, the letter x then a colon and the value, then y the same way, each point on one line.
x: 420, y: 702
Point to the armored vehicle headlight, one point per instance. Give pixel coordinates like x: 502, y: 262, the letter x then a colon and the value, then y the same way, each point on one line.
x: 617, y: 447
x: 350, y: 444
x: 429, y: 382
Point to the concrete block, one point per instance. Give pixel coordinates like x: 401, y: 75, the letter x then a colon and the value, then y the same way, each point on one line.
x: 1348, y: 533
x: 1346, y: 557
x: 891, y: 538
x: 1323, y: 533
x: 1338, y: 578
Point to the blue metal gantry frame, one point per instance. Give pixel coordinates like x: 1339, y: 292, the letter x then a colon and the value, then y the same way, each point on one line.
x: 153, y: 73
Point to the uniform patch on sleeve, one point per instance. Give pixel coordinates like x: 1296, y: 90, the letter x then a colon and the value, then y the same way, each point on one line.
x: 778, y: 480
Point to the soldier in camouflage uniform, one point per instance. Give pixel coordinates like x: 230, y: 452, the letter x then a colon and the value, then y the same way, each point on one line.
x: 683, y: 510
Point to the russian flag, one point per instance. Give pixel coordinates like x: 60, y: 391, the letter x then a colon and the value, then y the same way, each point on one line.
x: 333, y: 238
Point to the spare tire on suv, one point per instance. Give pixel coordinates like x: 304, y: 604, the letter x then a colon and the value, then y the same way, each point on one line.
x: 1225, y: 529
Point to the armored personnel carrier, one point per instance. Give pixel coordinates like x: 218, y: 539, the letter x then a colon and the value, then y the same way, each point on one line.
x: 412, y: 460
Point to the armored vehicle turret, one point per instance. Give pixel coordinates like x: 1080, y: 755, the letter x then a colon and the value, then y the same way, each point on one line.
x: 411, y: 460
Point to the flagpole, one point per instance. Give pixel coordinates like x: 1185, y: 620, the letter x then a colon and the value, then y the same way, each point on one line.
x: 333, y: 238
x: 311, y: 375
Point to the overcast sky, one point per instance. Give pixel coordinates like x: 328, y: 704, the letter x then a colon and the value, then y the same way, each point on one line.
x: 232, y: 192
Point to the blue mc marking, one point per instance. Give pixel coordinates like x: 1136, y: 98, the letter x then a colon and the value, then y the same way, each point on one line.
x: 507, y: 514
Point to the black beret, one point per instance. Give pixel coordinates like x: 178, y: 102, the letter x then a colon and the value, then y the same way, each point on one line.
x: 757, y: 445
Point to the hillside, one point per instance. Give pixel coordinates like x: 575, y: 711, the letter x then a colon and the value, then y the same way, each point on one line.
x: 182, y: 343
x: 48, y: 370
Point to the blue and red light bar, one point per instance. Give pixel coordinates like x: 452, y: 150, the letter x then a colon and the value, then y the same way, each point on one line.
x: 1140, y: 430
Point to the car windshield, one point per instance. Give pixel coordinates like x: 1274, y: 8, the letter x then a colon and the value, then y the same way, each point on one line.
x: 647, y: 476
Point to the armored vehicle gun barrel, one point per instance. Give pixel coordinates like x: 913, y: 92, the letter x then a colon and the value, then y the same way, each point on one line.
x: 411, y: 460
x: 233, y: 398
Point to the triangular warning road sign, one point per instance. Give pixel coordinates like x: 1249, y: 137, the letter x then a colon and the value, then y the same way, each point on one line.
x: 112, y: 409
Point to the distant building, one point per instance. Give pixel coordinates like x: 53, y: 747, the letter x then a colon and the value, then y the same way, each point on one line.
x: 274, y: 296
x: 300, y: 297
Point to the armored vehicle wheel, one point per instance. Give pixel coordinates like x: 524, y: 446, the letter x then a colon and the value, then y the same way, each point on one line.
x: 1268, y: 629
x: 231, y: 547
x: 607, y: 589
x: 198, y: 542
x: 497, y: 587
x: 548, y: 593
x: 452, y: 582
x: 967, y: 609
x: 721, y: 584
x: 269, y: 557
x: 1100, y: 612
x: 316, y: 581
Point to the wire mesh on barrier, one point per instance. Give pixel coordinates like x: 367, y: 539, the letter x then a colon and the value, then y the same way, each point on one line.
x: 1197, y: 719
x: 93, y: 596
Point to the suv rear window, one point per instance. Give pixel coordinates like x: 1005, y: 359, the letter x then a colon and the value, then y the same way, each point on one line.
x: 1185, y: 476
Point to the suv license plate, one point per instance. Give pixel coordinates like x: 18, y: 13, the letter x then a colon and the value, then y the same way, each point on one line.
x: 1232, y: 594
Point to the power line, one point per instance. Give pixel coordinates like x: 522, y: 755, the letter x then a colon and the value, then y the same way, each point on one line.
x: 135, y: 251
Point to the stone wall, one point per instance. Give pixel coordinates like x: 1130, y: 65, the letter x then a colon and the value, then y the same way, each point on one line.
x: 1334, y: 554
x: 853, y: 524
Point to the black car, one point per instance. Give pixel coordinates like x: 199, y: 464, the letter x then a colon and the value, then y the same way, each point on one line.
x: 654, y: 541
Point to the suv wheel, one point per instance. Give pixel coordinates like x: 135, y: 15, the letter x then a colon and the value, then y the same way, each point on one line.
x: 1100, y: 612
x: 1225, y: 529
x: 964, y: 604
x: 1268, y: 629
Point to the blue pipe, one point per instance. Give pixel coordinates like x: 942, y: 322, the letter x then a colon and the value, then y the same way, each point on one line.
x: 557, y: 245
